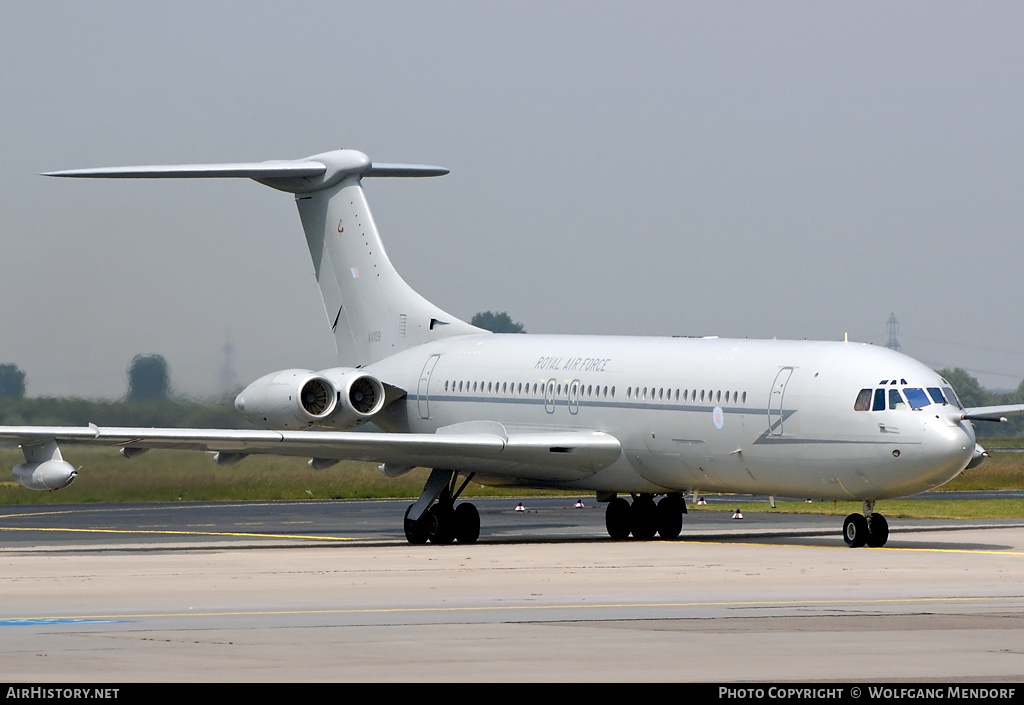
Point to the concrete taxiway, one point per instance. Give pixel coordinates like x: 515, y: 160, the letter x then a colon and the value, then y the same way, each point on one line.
x: 305, y: 591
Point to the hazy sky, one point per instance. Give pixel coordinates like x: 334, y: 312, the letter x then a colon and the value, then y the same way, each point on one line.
x: 750, y: 169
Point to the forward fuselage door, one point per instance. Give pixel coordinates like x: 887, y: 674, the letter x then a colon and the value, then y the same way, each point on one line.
x: 423, y: 389
x: 776, y: 400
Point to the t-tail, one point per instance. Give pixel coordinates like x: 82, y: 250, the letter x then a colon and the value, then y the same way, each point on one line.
x: 373, y: 313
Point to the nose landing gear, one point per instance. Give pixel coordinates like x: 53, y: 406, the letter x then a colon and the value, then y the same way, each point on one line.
x: 867, y: 529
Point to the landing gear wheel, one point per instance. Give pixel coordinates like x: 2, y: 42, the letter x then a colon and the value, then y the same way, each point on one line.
x: 855, y: 530
x: 440, y: 524
x: 415, y: 531
x: 616, y: 519
x: 644, y: 517
x: 878, y: 531
x: 467, y: 523
x: 670, y: 516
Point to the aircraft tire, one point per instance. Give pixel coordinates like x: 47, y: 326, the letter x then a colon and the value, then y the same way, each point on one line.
x: 643, y: 516
x: 855, y: 530
x: 415, y: 531
x: 617, y: 519
x: 467, y: 523
x: 878, y: 531
x: 440, y: 524
x: 670, y: 516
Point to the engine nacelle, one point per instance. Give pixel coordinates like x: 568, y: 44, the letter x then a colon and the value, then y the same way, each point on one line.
x: 47, y: 475
x: 359, y: 397
x: 341, y: 397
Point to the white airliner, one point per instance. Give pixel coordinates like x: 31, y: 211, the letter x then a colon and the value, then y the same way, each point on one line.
x: 618, y: 416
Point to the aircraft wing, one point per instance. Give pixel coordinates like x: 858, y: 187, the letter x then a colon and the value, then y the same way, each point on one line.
x: 483, y: 447
x: 993, y: 413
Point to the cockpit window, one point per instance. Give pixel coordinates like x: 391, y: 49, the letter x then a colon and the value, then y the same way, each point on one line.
x: 879, y: 404
x: 863, y: 402
x: 896, y: 400
x: 916, y: 397
x: 936, y: 394
x: 952, y: 397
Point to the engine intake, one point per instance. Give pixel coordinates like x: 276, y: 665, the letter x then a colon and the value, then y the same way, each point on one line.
x: 341, y: 397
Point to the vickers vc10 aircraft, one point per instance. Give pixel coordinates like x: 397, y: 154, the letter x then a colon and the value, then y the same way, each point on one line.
x: 651, y: 419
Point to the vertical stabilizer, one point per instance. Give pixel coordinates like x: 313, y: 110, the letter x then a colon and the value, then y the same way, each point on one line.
x: 372, y: 311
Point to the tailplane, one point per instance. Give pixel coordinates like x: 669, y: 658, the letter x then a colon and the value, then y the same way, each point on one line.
x: 373, y: 313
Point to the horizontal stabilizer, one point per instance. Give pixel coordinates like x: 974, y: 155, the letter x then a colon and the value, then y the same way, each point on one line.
x: 245, y: 170
x: 401, y: 170
x: 260, y: 170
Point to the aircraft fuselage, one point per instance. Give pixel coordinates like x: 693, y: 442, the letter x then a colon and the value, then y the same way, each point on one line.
x: 748, y: 416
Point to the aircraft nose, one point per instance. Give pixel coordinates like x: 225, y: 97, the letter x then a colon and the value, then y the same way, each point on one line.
x: 960, y: 444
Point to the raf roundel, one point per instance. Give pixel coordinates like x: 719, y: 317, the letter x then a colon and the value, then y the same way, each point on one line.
x: 718, y: 417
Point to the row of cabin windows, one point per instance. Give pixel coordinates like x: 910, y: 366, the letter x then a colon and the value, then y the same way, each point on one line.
x: 595, y: 391
x: 685, y: 395
x: 590, y: 391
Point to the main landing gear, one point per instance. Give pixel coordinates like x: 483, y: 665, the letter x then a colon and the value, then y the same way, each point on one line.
x: 867, y: 529
x: 434, y: 516
x: 644, y: 518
